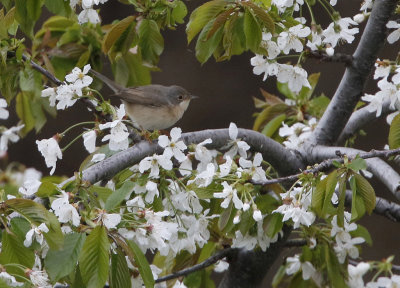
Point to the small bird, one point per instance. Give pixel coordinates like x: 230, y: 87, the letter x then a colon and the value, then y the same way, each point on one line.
x: 151, y: 107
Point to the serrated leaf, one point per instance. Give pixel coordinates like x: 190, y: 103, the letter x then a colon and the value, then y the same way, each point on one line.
x: 273, y: 125
x: 268, y: 114
x: 61, y: 263
x: 366, y: 192
x: 179, y: 12
x: 394, y: 133
x: 151, y: 42
x: 271, y: 99
x: 252, y: 31
x: 361, y: 231
x: 119, y: 195
x: 219, y: 22
x: 38, y: 214
x: 94, y: 258
x: 119, y: 273
x: 14, y: 251
x: 246, y: 222
x: 336, y: 278
x: 205, y: 48
x: 283, y: 88
x: 342, y: 198
x: 24, y: 111
x: 20, y: 226
x: 46, y: 189
x: 357, y: 164
x: 203, y: 15
x: 262, y: 15
x: 115, y: 32
x: 273, y: 224
x: 322, y: 195
x: 59, y: 7
x: 143, y: 265
x: 225, y: 217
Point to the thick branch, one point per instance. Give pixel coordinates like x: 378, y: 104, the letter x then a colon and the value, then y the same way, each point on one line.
x: 350, y: 89
x: 378, y: 167
x: 283, y: 160
x: 248, y: 268
x: 359, y: 119
x: 383, y: 207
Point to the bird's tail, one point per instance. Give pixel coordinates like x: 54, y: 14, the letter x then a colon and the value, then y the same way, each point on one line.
x: 110, y: 83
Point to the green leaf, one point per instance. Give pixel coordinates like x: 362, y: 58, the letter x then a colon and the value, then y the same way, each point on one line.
x: 38, y: 214
x: 394, y: 133
x: 94, y: 258
x: 318, y: 105
x: 101, y: 192
x: 206, y: 47
x: 138, y: 73
x: 268, y: 114
x: 119, y: 195
x: 47, y: 189
x: 234, y: 40
x: 252, y: 31
x: 336, y: 277
x: 203, y: 15
x: 262, y: 15
x: 357, y: 164
x: 151, y: 42
x: 20, y: 226
x: 322, y: 195
x: 367, y: 193
x: 342, y: 197
x: 226, y: 217
x: 283, y: 88
x: 61, y: 263
x: 179, y: 12
x: 119, y: 274
x: 273, y: 224
x: 143, y: 265
x: 246, y: 222
x: 273, y: 125
x: 59, y: 7
x: 115, y: 33
x: 361, y: 231
x: 24, y: 111
x: 14, y: 251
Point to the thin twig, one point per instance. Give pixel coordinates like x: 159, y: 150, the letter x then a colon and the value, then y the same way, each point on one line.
x: 328, y: 163
x: 337, y: 57
x: 206, y: 263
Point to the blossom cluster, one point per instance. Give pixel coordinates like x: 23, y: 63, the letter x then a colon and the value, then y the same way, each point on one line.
x: 66, y: 94
x: 88, y: 14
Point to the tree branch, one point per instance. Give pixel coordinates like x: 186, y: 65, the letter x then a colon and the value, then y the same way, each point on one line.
x: 282, y: 159
x: 359, y: 119
x: 337, y: 57
x: 383, y: 207
x: 328, y: 163
x: 350, y: 88
x: 378, y: 167
x: 206, y: 263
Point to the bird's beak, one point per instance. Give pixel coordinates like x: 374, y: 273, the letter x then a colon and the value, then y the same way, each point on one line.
x: 193, y: 96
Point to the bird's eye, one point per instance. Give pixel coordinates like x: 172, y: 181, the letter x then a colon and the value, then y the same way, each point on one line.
x: 180, y: 97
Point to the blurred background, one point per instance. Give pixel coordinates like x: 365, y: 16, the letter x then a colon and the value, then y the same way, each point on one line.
x: 225, y: 90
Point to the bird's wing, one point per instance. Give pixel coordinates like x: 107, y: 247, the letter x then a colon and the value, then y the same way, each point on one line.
x: 149, y: 95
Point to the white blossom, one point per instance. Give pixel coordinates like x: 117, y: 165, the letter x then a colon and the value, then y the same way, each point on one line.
x: 153, y: 163
x: 88, y: 15
x: 340, y: 30
x: 118, y: 137
x: 385, y: 282
x: 65, y: 211
x: 109, y: 220
x: 229, y: 194
x: 30, y: 187
x: 3, y: 112
x: 356, y: 274
x: 50, y: 151
x: 173, y: 147
x: 204, y: 178
x: 236, y: 145
x: 295, y: 265
x: 289, y: 40
x: 9, y: 135
x: 98, y: 157
x: 9, y: 280
x: 394, y: 35
x: 89, y: 140
x: 35, y: 233
x: 270, y: 45
x: 52, y: 94
x: 254, y: 167
x: 294, y: 76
